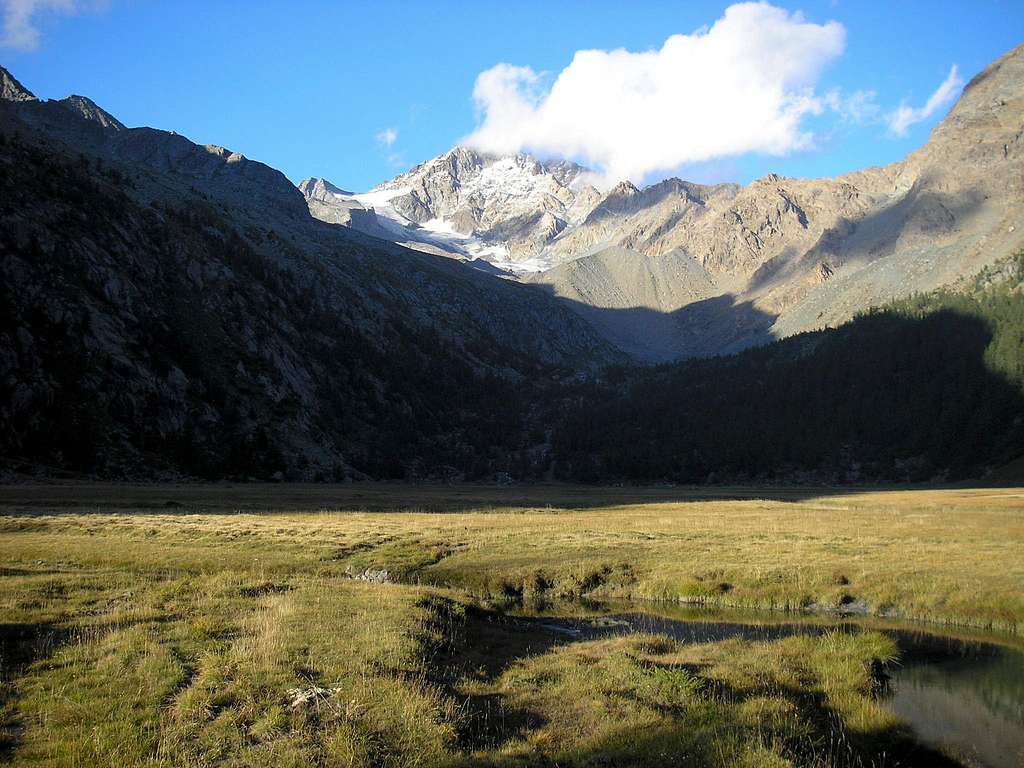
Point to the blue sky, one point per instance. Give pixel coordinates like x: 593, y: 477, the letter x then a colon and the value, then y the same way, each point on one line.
x: 311, y: 87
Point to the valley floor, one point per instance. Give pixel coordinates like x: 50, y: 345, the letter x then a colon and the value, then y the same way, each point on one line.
x: 363, y: 624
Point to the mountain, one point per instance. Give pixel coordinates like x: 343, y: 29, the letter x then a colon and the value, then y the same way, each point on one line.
x: 471, y: 205
x: 781, y: 256
x: 167, y: 307
x: 765, y: 261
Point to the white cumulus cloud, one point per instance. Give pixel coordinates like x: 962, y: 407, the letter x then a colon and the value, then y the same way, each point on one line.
x: 904, y: 116
x: 743, y: 85
x: 387, y: 137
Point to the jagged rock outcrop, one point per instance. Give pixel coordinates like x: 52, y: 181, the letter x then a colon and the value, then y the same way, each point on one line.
x: 91, y: 111
x: 646, y: 221
x: 12, y: 90
x: 334, y: 205
x: 321, y: 189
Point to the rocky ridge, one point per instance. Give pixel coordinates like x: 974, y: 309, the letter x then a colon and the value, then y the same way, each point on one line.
x: 792, y: 255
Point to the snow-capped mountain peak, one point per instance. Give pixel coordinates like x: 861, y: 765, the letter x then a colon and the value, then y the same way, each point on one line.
x: 504, y: 209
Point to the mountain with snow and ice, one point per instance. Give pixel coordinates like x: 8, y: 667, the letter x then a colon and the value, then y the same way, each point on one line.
x: 677, y: 269
x: 504, y: 210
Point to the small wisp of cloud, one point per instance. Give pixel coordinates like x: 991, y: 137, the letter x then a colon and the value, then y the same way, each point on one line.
x: 387, y: 137
x: 386, y: 141
x: 905, y: 116
x: 21, y: 19
x: 857, y: 108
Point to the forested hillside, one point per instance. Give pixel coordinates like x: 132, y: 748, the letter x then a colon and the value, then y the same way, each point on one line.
x: 931, y: 387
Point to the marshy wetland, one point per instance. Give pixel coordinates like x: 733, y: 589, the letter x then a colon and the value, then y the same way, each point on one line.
x: 402, y: 625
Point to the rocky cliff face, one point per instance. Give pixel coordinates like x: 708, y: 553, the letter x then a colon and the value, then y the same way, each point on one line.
x: 169, y: 307
x: 12, y: 90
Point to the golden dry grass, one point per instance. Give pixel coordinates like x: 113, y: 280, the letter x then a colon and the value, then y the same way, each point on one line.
x: 165, y: 626
x: 943, y: 555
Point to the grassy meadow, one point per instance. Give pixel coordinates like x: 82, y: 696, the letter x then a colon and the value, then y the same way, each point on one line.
x: 221, y: 625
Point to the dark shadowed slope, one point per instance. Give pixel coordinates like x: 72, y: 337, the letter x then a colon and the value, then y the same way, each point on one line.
x: 168, y: 306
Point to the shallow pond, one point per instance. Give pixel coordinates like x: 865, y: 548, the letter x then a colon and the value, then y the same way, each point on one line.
x: 959, y: 690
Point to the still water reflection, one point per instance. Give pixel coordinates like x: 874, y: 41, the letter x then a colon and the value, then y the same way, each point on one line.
x: 959, y: 691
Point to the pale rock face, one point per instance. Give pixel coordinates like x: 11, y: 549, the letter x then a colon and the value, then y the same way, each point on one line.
x: 11, y: 89
x: 88, y: 109
x: 321, y: 189
x: 336, y: 206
